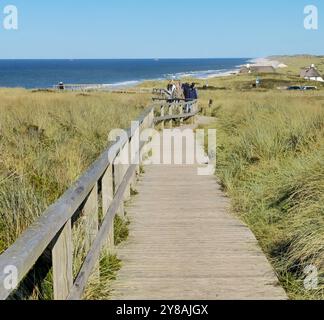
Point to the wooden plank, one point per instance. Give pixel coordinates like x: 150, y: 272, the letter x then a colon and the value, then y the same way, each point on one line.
x: 133, y: 160
x: 161, y: 260
x: 62, y: 257
x: 118, y: 174
x: 151, y: 119
x: 91, y: 218
x: 107, y: 198
x: 125, y: 156
x: 162, y: 114
x: 180, y: 113
x: 171, y: 116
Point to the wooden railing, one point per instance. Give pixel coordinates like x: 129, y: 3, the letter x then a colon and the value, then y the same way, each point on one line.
x: 107, y: 180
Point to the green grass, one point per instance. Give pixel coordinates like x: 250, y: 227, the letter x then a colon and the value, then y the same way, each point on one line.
x: 99, y: 287
x: 121, y: 229
x: 47, y: 140
x: 296, y: 63
x: 270, y: 163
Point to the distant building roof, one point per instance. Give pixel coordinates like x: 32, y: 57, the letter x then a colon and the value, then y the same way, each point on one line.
x: 258, y: 69
x: 310, y: 72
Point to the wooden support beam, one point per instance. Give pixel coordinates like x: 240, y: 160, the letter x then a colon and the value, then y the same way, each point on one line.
x: 162, y: 115
x: 181, y: 112
x: 117, y: 173
x: 91, y: 218
x: 91, y: 221
x: 125, y: 158
x: 170, y: 114
x: 62, y: 257
x: 107, y: 198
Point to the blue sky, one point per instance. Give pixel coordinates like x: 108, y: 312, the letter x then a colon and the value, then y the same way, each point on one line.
x: 160, y: 29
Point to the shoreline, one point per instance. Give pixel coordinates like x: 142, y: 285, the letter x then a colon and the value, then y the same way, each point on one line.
x: 257, y: 62
x: 198, y: 75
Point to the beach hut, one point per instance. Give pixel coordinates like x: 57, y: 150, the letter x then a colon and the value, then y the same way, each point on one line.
x: 311, y: 74
x: 257, y: 69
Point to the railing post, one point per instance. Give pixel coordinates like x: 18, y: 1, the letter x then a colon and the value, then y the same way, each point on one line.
x: 118, y: 178
x: 151, y: 117
x: 181, y: 112
x: 170, y: 114
x: 134, y: 158
x: 125, y: 154
x: 162, y: 115
x: 62, y: 257
x: 134, y: 153
x: 107, y: 198
x: 194, y: 109
x: 91, y: 222
x: 91, y: 218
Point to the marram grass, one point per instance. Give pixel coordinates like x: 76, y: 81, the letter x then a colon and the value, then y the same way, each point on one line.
x: 47, y: 140
x: 271, y: 164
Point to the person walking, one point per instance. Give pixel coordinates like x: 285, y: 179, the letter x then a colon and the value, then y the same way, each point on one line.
x: 186, y: 93
x: 193, y: 95
x: 171, y: 90
x: 61, y: 86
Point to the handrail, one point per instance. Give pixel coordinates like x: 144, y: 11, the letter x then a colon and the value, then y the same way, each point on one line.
x: 175, y: 117
x: 53, y: 229
x: 94, y: 253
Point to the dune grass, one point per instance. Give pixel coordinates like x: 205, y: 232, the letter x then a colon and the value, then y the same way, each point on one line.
x: 270, y: 163
x: 296, y: 63
x: 47, y: 140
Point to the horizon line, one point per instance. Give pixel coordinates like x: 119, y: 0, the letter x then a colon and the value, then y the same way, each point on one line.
x: 194, y: 58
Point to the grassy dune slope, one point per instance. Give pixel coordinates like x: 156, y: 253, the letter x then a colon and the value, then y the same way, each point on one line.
x: 46, y: 141
x: 298, y: 62
x: 270, y: 162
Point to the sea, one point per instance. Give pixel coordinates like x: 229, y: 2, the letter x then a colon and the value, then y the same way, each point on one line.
x: 32, y: 74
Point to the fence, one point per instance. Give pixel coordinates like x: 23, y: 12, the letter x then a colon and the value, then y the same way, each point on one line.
x: 106, y: 181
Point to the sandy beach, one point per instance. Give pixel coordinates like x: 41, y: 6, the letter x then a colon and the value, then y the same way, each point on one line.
x: 267, y: 62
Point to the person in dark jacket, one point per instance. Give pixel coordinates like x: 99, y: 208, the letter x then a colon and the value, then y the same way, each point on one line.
x: 186, y: 92
x: 193, y: 92
x: 192, y: 95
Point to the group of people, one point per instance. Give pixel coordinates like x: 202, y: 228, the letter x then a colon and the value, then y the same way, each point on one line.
x: 182, y: 92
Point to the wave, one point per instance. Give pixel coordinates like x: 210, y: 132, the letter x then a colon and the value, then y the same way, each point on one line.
x: 123, y: 84
x: 203, y: 75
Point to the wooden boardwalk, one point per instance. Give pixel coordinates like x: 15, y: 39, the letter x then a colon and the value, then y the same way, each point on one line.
x: 184, y: 243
